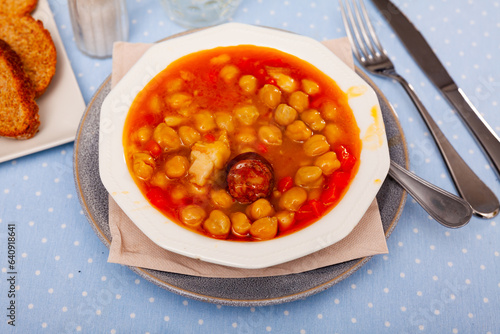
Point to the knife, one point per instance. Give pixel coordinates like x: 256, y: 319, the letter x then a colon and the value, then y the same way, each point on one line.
x: 435, y: 71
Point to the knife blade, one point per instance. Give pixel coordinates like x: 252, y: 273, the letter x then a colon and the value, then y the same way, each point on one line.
x: 425, y: 57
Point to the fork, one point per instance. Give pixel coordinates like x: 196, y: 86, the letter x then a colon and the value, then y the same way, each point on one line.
x: 373, y: 57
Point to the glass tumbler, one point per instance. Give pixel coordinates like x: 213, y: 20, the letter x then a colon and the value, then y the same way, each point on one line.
x: 200, y: 13
x: 97, y: 24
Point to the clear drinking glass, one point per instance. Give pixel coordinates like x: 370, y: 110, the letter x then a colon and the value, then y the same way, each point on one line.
x: 200, y: 13
x: 97, y: 24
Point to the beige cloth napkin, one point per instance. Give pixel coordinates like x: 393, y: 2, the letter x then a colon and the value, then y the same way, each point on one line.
x: 129, y: 246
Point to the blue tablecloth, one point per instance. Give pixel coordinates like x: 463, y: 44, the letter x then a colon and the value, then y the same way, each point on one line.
x: 434, y: 280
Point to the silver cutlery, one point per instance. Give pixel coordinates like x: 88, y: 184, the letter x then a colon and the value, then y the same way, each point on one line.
x: 446, y: 208
x: 425, y: 57
x: 372, y: 56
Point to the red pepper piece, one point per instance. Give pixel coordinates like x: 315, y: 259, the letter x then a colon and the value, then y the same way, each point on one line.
x: 210, y: 138
x: 262, y: 148
x: 304, y: 213
x: 341, y: 179
x: 347, y: 160
x: 153, y: 148
x: 159, y: 198
x: 310, y: 210
x: 317, y: 207
x: 271, y: 81
x: 260, y: 74
x: 329, y: 195
x: 285, y: 184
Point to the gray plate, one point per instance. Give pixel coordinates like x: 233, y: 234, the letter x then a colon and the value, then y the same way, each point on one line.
x: 230, y: 291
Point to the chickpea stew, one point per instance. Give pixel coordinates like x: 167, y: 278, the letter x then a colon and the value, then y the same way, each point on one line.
x: 242, y: 143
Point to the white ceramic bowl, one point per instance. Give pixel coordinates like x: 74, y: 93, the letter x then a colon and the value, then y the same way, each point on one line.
x: 338, y: 223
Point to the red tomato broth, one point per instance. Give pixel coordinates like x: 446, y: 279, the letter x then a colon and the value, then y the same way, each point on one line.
x: 202, y: 80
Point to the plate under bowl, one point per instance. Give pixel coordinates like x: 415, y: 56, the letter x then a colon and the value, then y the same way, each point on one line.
x: 374, y: 159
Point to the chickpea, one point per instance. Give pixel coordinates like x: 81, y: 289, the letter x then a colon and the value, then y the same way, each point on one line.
x: 204, y: 121
x: 173, y: 120
x: 316, y: 145
x: 309, y: 177
x: 192, y: 215
x: 333, y: 133
x: 328, y: 163
x: 314, y: 193
x: 270, y: 134
x: 159, y: 179
x: 144, y: 134
x: 219, y: 60
x: 310, y: 87
x: 285, y: 115
x: 155, y: 104
x: 143, y: 165
x: 221, y: 198
x: 187, y: 76
x: 229, y: 73
x: 285, y: 82
x: 285, y: 219
x: 188, y: 110
x: 270, y: 95
x: 246, y: 135
x: 179, y: 100
x: 224, y: 121
x: 240, y: 224
x: 246, y: 115
x: 178, y: 194
x: 166, y: 137
x: 188, y: 135
x: 197, y: 190
x: 329, y: 111
x: 176, y: 166
x: 248, y: 83
x: 217, y: 224
x: 298, y: 131
x: 265, y: 228
x: 313, y: 119
x: 293, y: 199
x: 259, y: 209
x: 175, y: 85
x: 299, y: 100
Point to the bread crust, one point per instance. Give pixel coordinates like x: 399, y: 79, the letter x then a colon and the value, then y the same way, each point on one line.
x: 17, y: 7
x: 19, y: 117
x: 33, y: 43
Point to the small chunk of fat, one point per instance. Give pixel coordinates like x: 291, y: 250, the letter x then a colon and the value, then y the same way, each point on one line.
x: 208, y: 157
x: 201, y: 168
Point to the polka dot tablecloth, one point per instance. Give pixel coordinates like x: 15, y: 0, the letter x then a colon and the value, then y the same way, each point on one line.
x: 434, y: 280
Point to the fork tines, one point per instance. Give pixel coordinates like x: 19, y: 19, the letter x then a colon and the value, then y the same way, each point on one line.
x: 360, y: 31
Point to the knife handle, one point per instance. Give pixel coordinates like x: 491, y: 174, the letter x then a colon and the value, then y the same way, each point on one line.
x: 482, y: 200
x: 476, y: 123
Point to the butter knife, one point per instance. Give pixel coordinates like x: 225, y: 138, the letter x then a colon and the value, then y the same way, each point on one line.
x: 435, y: 71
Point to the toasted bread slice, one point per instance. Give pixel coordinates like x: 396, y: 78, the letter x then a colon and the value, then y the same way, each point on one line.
x: 18, y: 110
x: 17, y: 7
x: 33, y: 43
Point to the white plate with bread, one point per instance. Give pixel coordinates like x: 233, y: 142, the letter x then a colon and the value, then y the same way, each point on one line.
x: 41, y: 103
